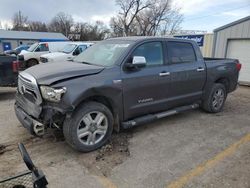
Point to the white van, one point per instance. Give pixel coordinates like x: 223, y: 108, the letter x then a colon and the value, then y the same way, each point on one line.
x: 69, y: 51
x: 31, y: 56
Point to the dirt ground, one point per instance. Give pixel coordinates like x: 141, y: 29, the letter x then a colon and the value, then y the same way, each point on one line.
x: 154, y: 155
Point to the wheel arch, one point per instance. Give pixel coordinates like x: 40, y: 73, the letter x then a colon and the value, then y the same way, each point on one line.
x: 225, y: 81
x: 109, y: 103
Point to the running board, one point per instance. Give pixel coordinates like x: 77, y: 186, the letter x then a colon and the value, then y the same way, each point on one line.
x: 152, y: 117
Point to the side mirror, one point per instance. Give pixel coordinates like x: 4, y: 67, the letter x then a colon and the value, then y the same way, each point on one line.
x: 76, y: 52
x: 137, y: 62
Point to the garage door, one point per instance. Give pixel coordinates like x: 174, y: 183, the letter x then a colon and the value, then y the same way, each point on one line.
x: 240, y: 49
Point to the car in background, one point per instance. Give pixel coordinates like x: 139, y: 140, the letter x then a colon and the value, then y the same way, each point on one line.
x: 17, y: 50
x: 68, y: 53
x: 31, y: 56
x: 8, y: 70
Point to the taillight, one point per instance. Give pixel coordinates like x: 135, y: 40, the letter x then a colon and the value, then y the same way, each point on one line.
x: 238, y: 65
x: 15, y: 66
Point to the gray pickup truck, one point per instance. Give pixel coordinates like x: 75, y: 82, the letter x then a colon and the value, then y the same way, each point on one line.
x: 121, y: 83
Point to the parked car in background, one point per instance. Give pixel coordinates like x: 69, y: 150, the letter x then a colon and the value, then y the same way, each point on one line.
x: 121, y: 83
x: 17, y: 50
x: 31, y: 56
x: 8, y: 70
x: 69, y: 51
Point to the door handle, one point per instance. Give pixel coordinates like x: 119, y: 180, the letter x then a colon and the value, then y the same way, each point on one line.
x: 164, y: 74
x: 200, y: 69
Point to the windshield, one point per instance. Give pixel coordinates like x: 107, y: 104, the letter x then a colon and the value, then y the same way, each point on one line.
x: 69, y: 48
x: 32, y: 47
x: 103, y: 53
x: 22, y: 47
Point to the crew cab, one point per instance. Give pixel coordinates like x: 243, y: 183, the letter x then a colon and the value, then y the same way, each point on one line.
x: 121, y: 83
x: 31, y: 56
x: 69, y: 51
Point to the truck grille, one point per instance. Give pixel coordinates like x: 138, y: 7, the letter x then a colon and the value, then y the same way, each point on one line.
x: 27, y: 86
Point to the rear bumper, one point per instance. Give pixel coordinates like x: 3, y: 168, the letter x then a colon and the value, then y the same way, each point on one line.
x: 32, y: 125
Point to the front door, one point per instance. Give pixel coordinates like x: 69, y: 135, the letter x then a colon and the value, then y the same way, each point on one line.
x: 40, y: 50
x: 144, y: 90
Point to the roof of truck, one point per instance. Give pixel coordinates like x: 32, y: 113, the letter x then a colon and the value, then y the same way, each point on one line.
x: 141, y: 38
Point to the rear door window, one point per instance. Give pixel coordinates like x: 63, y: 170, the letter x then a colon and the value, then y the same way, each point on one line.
x: 180, y: 52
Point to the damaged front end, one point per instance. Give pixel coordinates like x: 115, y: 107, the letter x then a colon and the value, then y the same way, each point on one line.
x: 33, y: 113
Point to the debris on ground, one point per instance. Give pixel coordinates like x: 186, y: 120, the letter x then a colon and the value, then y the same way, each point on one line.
x: 110, y: 155
x: 2, y: 149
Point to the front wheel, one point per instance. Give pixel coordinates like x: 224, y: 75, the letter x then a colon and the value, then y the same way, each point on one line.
x: 216, y: 98
x: 89, y: 128
x: 31, y: 62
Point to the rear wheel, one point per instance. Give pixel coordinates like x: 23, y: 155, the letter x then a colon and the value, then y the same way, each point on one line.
x: 89, y: 128
x: 215, y: 100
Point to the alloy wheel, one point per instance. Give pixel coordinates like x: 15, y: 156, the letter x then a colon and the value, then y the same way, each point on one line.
x: 92, y: 128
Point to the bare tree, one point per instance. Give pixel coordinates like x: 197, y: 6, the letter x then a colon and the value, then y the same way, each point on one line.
x: 151, y: 18
x: 125, y: 19
x: 61, y: 23
x: 19, y: 21
x: 37, y: 26
x: 171, y: 26
x: 97, y: 31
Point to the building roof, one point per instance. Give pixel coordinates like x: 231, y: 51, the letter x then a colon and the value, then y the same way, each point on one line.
x: 232, y: 23
x: 7, y: 34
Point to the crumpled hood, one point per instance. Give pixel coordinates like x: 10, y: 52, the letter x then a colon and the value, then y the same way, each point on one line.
x: 48, y: 73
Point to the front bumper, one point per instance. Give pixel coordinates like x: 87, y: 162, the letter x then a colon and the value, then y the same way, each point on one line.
x: 32, y: 125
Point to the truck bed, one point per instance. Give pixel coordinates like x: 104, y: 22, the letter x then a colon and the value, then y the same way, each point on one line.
x: 216, y: 60
x: 224, y: 68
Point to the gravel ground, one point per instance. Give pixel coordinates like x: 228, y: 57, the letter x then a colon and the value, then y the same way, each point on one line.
x: 153, y: 155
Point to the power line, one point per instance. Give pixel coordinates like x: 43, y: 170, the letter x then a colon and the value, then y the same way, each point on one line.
x: 228, y: 10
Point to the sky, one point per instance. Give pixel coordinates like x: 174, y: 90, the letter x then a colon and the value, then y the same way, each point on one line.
x: 205, y: 15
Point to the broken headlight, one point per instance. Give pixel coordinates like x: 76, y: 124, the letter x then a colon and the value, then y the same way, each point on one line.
x: 52, y: 94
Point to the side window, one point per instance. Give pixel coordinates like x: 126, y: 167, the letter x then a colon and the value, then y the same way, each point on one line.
x: 79, y: 49
x: 82, y: 48
x: 152, y: 51
x: 42, y: 48
x: 180, y: 52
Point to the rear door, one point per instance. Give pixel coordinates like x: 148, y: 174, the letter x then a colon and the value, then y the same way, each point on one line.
x: 144, y: 90
x: 187, y: 73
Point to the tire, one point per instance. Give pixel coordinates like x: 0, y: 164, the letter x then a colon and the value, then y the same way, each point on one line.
x: 31, y: 63
x: 215, y: 100
x: 83, y: 132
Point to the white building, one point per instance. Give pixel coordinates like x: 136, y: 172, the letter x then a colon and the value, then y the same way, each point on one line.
x: 11, y: 39
x: 233, y: 41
